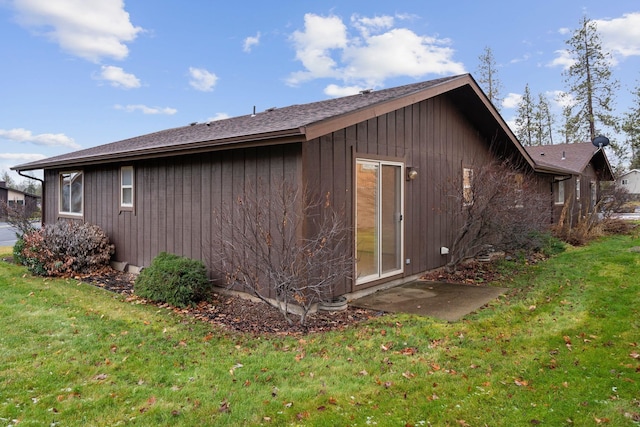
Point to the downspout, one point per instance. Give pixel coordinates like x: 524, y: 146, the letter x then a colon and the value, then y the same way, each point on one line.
x: 43, y: 192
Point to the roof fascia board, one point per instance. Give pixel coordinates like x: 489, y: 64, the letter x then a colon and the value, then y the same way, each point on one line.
x: 178, y: 150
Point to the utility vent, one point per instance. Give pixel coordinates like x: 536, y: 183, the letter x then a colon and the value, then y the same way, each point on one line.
x: 366, y: 91
x: 193, y: 123
x: 270, y: 109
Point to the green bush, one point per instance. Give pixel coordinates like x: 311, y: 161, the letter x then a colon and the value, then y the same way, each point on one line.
x: 17, y: 251
x: 66, y: 248
x: 173, y: 279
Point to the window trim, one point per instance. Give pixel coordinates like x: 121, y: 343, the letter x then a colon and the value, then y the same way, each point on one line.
x: 61, y: 177
x: 127, y: 206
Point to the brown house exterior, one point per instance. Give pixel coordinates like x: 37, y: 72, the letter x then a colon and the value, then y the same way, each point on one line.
x: 581, y: 168
x: 16, y: 199
x: 158, y: 192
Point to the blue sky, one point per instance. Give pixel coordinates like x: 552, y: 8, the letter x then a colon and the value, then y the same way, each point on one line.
x: 80, y: 73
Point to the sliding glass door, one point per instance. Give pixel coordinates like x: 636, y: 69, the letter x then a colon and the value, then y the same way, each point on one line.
x: 379, y: 231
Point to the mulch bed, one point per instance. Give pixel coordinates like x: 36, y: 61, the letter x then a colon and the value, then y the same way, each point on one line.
x: 235, y: 313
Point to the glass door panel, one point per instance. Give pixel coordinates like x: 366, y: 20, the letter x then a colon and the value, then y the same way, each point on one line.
x: 379, y: 228
x: 390, y: 219
x: 366, y: 219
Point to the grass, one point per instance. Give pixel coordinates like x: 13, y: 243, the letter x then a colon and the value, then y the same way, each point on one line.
x: 559, y: 349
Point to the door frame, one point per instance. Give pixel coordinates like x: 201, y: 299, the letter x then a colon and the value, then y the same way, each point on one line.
x: 401, y: 229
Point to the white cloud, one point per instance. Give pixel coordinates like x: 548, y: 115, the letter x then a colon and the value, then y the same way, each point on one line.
x: 563, y: 59
x: 366, y: 26
x: 338, y: 91
x: 22, y: 157
x: 511, y: 100
x: 218, y: 116
x: 90, y: 29
x: 563, y: 99
x: 117, y: 77
x: 202, y: 79
x: 620, y: 36
x: 564, y: 31
x: 145, y: 109
x: 46, y: 139
x: 250, y: 42
x: 327, y: 50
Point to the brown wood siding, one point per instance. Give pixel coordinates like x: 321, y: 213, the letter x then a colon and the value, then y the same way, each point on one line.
x: 432, y: 136
x: 174, y: 200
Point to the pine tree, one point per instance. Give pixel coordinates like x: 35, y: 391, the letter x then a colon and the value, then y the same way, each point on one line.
x: 487, y: 77
x: 590, y: 82
x: 631, y: 127
x: 543, y: 121
x: 525, y: 120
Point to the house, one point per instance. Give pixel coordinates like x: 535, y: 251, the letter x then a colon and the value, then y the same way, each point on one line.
x: 17, y: 198
x: 580, y: 170
x: 386, y: 156
x: 631, y: 182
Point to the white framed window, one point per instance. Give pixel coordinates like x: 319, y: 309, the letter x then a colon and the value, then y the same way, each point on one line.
x: 126, y: 187
x: 467, y: 186
x: 577, y: 188
x: 71, y: 193
x: 594, y: 193
x: 558, y: 190
x: 625, y: 182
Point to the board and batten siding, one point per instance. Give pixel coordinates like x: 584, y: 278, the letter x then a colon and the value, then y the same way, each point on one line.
x: 431, y: 136
x: 175, y: 199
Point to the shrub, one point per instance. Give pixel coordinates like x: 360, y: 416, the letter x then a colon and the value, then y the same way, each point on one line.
x: 173, y: 279
x: 17, y: 251
x: 66, y: 248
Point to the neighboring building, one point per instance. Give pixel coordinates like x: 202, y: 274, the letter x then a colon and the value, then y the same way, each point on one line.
x: 631, y: 182
x: 386, y: 156
x: 17, y: 198
x: 581, y: 169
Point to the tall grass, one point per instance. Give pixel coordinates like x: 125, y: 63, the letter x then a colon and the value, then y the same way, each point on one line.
x: 560, y: 348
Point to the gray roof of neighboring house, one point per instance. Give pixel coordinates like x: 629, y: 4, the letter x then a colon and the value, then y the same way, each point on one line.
x: 274, y: 123
x: 571, y: 158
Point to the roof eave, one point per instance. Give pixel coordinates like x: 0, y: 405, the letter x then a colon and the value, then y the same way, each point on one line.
x: 274, y: 138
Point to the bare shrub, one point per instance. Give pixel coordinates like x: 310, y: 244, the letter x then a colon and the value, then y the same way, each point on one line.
x: 500, y: 206
x: 66, y: 248
x: 18, y: 216
x: 284, y: 246
x: 595, y: 221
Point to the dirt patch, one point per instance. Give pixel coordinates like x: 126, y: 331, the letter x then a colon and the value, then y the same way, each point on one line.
x: 235, y: 313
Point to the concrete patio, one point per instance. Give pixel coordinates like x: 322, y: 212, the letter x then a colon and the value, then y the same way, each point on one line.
x: 445, y: 301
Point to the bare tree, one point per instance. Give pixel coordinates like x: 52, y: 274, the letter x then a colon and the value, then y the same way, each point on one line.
x: 18, y: 216
x: 501, y: 206
x: 286, y: 247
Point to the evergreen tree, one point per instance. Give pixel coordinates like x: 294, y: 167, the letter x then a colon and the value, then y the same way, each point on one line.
x: 631, y: 127
x: 525, y: 120
x: 543, y: 121
x: 590, y: 82
x: 569, y: 126
x: 487, y: 77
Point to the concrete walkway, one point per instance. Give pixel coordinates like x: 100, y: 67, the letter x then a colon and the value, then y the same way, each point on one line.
x: 444, y: 301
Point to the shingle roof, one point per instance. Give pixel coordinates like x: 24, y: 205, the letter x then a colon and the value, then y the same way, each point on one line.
x: 572, y: 158
x: 280, y: 122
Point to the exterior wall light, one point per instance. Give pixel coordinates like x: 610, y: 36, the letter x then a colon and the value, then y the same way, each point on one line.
x: 412, y: 173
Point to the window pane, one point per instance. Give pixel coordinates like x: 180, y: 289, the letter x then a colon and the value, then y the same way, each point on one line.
x: 127, y: 176
x: 127, y: 196
x: 71, y: 192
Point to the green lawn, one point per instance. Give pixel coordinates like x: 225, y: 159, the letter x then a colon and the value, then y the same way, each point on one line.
x: 560, y: 349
